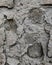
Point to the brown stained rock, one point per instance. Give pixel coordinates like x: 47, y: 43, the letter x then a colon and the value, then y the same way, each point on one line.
x: 35, y: 51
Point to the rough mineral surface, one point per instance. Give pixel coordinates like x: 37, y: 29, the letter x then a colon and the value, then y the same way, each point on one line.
x: 25, y: 32
x: 6, y: 3
x: 47, y: 1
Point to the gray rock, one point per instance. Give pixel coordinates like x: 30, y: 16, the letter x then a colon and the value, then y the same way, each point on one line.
x: 2, y: 36
x: 11, y: 37
x: 36, y: 15
x: 25, y: 32
x: 50, y: 45
x: 12, y: 61
x: 46, y: 2
x: 6, y: 3
x: 35, y: 51
x: 2, y: 59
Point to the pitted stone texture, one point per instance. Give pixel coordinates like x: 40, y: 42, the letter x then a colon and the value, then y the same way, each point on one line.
x: 14, y: 51
x: 30, y: 31
x: 50, y: 45
x: 12, y: 61
x: 41, y: 37
x: 30, y: 39
x: 1, y: 49
x: 27, y: 4
x: 47, y: 28
x: 50, y: 49
x: 1, y: 19
x: 48, y: 16
x: 10, y: 24
x: 36, y: 15
x: 2, y: 59
x: 30, y: 61
x: 11, y: 37
x: 35, y: 51
x: 46, y: 1
x: 6, y: 3
x: 2, y: 36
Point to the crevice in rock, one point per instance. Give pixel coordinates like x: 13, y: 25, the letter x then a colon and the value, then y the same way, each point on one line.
x: 4, y: 50
x: 6, y: 7
x: 14, y: 44
x: 46, y: 4
x: 23, y: 20
x: 48, y: 33
x: 6, y: 63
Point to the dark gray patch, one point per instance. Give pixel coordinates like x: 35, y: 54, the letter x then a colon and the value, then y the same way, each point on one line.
x: 35, y: 51
x: 35, y: 14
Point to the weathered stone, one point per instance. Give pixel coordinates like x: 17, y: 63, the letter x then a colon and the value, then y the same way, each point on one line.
x: 47, y: 1
x: 29, y: 38
x: 2, y: 36
x: 50, y: 45
x: 36, y: 15
x: 2, y: 59
x: 24, y: 32
x: 48, y: 16
x: 16, y: 49
x: 47, y: 28
x: 10, y: 24
x: 11, y: 37
x: 35, y: 50
x: 6, y: 3
x: 12, y: 61
x: 1, y: 19
x: 40, y: 36
x: 1, y: 49
x: 50, y: 49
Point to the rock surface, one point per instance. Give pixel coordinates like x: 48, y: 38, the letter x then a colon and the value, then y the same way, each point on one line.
x: 35, y: 50
x: 47, y: 2
x: 25, y: 32
x: 6, y: 3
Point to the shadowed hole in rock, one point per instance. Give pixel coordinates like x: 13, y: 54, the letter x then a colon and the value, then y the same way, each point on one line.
x: 6, y: 63
x: 10, y: 24
x: 35, y: 14
x: 46, y: 4
x: 35, y: 51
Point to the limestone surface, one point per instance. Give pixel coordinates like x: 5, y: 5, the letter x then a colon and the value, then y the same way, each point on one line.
x: 6, y: 3
x: 25, y: 32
